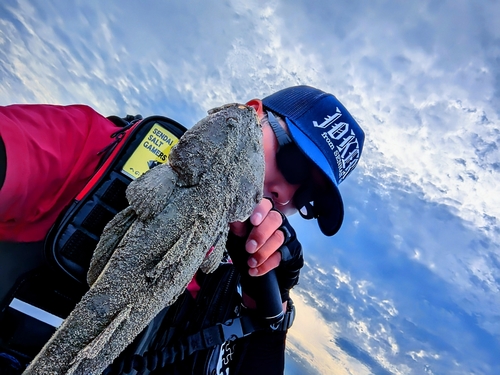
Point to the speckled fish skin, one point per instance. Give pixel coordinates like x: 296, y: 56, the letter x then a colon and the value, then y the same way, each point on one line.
x: 150, y: 251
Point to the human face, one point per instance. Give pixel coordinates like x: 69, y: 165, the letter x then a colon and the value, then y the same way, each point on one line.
x: 297, y: 170
x: 276, y: 186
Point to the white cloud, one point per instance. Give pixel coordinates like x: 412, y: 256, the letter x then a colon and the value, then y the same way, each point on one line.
x: 312, y: 332
x: 421, y: 77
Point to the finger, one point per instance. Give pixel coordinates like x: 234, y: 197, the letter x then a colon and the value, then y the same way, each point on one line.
x: 239, y: 228
x: 260, y: 234
x: 269, y: 248
x: 260, y: 211
x: 271, y: 263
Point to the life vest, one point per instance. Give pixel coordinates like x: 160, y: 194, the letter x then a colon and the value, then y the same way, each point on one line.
x: 44, y: 296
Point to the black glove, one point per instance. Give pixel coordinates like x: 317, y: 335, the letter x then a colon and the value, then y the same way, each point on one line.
x: 292, y: 260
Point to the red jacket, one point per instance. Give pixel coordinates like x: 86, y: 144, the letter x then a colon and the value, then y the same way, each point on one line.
x: 52, y: 151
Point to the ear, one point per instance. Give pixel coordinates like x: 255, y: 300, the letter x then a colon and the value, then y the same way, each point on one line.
x: 257, y: 105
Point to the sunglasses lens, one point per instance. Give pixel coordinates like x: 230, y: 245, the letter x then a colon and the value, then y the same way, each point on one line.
x: 294, y: 166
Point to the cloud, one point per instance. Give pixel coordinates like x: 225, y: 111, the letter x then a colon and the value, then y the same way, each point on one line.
x: 420, y: 240
x: 311, y: 342
x: 406, y: 275
x: 420, y: 77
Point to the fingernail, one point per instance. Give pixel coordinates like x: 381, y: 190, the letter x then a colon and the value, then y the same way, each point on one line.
x: 253, y: 272
x: 257, y: 218
x: 252, y: 262
x: 251, y: 246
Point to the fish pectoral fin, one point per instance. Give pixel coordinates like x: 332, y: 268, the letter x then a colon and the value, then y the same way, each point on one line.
x: 113, y: 233
x: 172, y: 255
x: 95, y: 347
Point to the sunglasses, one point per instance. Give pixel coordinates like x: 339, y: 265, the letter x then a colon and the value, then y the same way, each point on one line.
x: 297, y: 169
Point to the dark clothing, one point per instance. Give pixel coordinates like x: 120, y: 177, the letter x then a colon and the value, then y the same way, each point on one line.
x: 259, y: 353
x: 15, y: 260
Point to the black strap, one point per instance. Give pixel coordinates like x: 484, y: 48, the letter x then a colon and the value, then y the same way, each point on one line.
x: 204, y: 339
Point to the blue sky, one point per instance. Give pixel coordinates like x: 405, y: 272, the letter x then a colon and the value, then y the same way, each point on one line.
x: 410, y: 285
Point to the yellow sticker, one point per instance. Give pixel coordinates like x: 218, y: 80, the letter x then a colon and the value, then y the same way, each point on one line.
x: 153, y: 150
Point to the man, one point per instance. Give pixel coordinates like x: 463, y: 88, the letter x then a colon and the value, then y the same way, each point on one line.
x: 297, y: 121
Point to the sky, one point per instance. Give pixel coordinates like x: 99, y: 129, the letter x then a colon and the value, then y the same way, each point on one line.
x: 410, y: 284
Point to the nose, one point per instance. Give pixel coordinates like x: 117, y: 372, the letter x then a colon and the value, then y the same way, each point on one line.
x: 282, y: 195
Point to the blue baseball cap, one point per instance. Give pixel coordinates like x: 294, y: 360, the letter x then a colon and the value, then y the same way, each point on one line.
x: 326, y: 132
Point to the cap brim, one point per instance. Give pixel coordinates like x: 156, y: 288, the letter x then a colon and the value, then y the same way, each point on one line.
x: 331, y: 220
